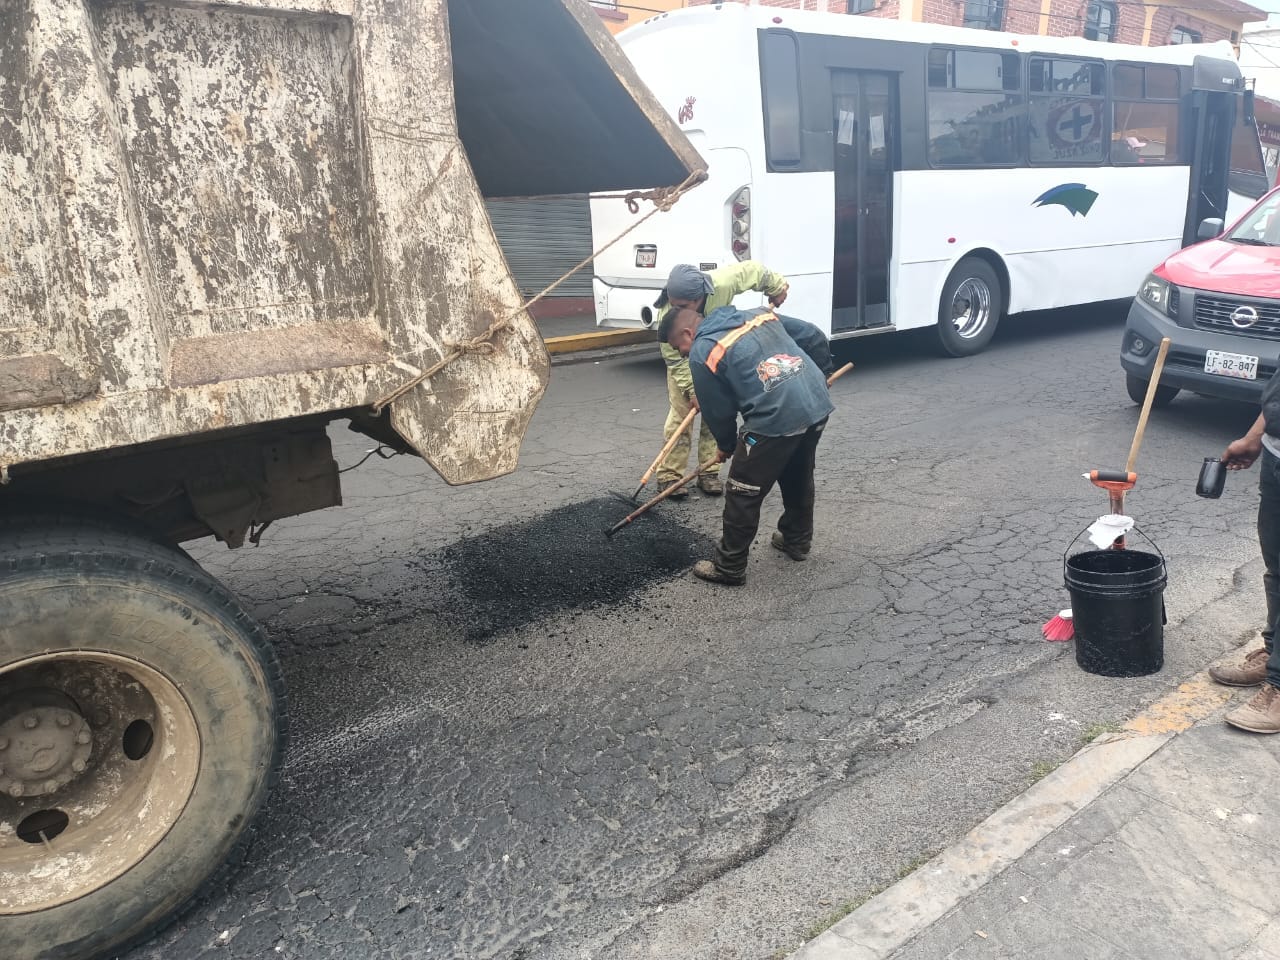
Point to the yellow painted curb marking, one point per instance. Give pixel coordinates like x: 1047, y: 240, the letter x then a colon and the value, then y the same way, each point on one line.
x: 1180, y: 709
x: 597, y: 340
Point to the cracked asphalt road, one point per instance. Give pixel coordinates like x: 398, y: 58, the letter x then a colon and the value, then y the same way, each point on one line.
x: 645, y: 766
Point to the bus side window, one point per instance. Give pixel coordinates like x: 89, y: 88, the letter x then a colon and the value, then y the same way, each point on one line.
x: 976, y: 116
x: 780, y: 83
x: 1067, y: 110
x: 1144, y: 114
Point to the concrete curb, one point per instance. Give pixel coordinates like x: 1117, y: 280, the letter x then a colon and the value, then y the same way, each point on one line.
x: 888, y: 920
x: 649, y: 347
x: 597, y: 340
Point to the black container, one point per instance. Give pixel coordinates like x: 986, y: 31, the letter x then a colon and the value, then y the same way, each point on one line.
x: 1213, y: 477
x: 1117, y: 609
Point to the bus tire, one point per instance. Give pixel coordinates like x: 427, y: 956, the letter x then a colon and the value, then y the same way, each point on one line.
x: 132, y: 683
x: 971, y: 307
x: 1137, y: 388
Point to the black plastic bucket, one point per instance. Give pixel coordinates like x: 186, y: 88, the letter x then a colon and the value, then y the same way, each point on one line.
x: 1117, y: 611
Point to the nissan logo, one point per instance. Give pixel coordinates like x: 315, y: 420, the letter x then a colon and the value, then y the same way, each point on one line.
x: 1244, y: 317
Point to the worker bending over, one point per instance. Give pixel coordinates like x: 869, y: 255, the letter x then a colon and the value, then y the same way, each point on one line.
x: 687, y: 286
x: 773, y: 371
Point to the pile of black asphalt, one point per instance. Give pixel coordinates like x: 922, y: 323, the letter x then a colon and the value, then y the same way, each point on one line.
x: 561, y: 561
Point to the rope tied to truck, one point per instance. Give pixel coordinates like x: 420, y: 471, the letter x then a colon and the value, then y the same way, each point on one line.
x: 662, y: 198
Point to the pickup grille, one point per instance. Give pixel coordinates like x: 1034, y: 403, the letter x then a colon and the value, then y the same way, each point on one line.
x: 1214, y: 313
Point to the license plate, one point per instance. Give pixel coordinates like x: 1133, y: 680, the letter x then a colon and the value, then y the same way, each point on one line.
x: 647, y: 257
x: 1231, y: 365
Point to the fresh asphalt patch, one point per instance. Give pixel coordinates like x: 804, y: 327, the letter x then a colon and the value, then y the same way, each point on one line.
x: 561, y: 561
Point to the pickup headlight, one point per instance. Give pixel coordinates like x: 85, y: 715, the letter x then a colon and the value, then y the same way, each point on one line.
x: 1157, y: 293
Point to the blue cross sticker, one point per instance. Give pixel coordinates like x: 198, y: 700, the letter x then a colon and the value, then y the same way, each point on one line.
x: 1077, y: 123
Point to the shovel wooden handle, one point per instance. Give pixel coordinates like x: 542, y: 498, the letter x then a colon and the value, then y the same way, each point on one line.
x: 839, y: 373
x: 1146, y: 404
x: 669, y: 445
x: 682, y: 482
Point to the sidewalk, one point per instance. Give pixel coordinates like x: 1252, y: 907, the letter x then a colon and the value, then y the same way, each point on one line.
x: 1159, y: 841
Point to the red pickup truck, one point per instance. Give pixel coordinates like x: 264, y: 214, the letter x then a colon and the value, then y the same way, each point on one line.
x: 1219, y: 302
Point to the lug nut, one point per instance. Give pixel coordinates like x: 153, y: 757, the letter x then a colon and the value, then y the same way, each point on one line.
x: 82, y: 737
x: 64, y: 720
x: 78, y: 766
x: 30, y: 722
x: 15, y: 790
x: 50, y: 786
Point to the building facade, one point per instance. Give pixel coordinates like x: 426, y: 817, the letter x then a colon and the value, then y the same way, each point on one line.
x: 1146, y: 22
x: 620, y: 14
x: 1260, y: 61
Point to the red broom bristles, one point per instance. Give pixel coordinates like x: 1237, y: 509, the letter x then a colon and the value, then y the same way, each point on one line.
x: 1060, y: 628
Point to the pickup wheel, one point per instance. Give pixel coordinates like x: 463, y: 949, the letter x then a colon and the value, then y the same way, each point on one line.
x: 141, y: 727
x: 1137, y: 388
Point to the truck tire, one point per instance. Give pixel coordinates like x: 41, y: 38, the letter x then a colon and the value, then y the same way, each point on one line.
x: 970, y: 309
x: 1137, y: 388
x: 141, y: 727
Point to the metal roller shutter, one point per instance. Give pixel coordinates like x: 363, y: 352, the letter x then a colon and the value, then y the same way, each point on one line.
x: 542, y: 240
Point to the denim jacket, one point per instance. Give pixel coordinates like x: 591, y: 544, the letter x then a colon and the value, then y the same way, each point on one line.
x: 770, y: 369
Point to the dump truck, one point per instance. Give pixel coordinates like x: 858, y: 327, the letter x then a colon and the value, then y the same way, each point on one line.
x: 223, y: 228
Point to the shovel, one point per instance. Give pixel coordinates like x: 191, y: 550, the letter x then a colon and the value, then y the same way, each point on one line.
x: 662, y: 454
x: 682, y: 482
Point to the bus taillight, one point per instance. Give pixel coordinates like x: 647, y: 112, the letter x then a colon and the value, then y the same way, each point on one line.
x: 740, y: 224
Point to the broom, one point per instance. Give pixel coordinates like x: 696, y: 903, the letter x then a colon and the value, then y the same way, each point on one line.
x: 1060, y: 628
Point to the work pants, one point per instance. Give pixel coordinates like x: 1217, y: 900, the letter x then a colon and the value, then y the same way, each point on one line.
x: 758, y: 463
x: 1269, y: 541
x: 676, y: 465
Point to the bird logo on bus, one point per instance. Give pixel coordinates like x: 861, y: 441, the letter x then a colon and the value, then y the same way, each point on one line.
x: 1074, y: 197
x: 686, y: 112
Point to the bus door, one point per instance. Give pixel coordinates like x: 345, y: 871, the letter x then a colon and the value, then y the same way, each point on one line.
x: 1213, y: 115
x: 865, y: 132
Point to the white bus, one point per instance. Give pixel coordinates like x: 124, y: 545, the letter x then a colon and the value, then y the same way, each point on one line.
x: 906, y: 175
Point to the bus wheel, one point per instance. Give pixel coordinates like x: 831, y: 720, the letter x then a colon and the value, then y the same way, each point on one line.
x: 1137, y: 388
x: 141, y: 726
x: 972, y: 304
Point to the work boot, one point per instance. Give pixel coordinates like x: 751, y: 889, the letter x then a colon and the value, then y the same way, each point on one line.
x: 706, y: 570
x: 1259, y: 715
x: 709, y: 483
x: 680, y: 494
x: 1248, y: 673
x: 779, y: 542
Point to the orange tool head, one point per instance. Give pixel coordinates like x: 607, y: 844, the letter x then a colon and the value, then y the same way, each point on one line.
x: 1113, y: 481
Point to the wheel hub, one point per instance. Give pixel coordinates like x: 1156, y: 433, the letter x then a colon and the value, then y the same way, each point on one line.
x: 44, y: 743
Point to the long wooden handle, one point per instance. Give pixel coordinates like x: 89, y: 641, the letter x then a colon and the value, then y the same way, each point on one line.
x: 839, y: 373
x: 669, y: 445
x: 682, y: 482
x: 679, y: 484
x: 1146, y: 404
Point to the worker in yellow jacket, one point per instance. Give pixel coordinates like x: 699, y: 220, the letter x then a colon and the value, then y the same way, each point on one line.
x: 687, y: 286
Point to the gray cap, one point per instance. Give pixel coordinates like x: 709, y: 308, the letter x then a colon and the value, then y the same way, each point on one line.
x: 686, y: 282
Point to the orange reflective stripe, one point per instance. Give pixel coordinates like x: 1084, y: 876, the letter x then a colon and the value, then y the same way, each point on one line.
x: 733, y: 336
